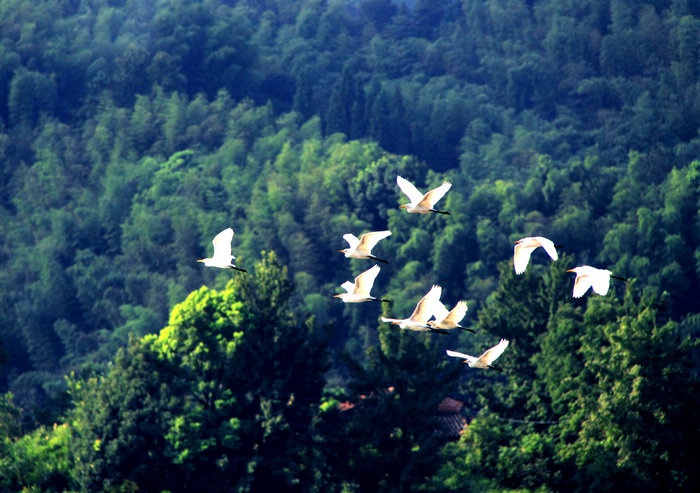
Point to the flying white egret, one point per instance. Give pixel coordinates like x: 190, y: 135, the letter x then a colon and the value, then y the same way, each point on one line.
x: 358, y: 291
x: 449, y: 319
x: 591, y: 277
x: 222, y: 257
x: 420, y: 203
x: 423, y: 311
x: 524, y: 248
x: 485, y: 360
x: 362, y: 248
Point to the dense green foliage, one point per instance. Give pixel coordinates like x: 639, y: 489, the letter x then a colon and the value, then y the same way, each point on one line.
x: 210, y: 401
x: 132, y: 132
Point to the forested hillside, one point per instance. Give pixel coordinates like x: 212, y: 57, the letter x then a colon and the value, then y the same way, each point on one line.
x: 132, y: 132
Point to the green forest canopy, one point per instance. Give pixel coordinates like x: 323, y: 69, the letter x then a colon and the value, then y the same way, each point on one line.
x: 132, y: 132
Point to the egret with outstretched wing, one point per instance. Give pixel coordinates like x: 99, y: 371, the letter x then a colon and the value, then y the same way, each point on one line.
x: 421, y: 314
x: 222, y: 257
x: 358, y: 291
x: 362, y: 247
x: 448, y: 320
x: 524, y: 248
x: 591, y: 277
x: 485, y: 360
x: 422, y: 203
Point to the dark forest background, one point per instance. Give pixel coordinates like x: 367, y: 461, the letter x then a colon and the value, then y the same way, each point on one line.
x: 131, y: 132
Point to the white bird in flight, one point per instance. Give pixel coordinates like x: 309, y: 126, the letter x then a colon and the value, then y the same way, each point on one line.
x: 524, y: 248
x: 358, y: 291
x: 420, y: 203
x: 449, y: 319
x: 423, y: 311
x: 591, y: 277
x: 362, y: 248
x: 222, y: 257
x: 485, y: 360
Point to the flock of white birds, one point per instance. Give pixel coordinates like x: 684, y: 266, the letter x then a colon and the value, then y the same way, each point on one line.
x: 430, y: 315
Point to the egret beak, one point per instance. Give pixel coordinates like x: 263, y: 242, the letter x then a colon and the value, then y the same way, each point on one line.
x: 200, y: 260
x: 336, y: 296
x: 570, y: 270
x: 403, y: 206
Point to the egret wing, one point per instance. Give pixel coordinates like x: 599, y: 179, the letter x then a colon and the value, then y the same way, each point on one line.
x: 600, y: 281
x: 348, y: 286
x: 491, y: 355
x: 455, y: 316
x: 352, y: 240
x: 439, y: 311
x: 409, y: 190
x: 581, y: 284
x: 521, y: 257
x: 548, y: 246
x: 369, y: 240
x: 222, y: 245
x: 456, y: 354
x: 424, y: 308
x: 365, y: 281
x: 431, y: 198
